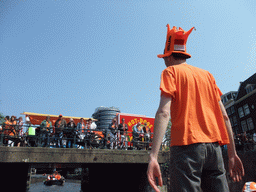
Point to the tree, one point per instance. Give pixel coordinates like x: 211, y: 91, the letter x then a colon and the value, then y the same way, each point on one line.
x: 1, y: 118
x: 168, y: 130
x: 167, y: 137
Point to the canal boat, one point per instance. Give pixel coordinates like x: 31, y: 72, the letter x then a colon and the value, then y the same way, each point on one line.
x: 54, y: 182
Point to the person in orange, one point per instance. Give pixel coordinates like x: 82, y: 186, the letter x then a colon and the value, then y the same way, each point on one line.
x: 200, y: 124
x: 6, y: 124
x: 57, y: 175
x: 249, y: 187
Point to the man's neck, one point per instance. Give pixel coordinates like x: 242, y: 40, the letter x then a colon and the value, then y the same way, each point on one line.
x: 171, y: 61
x: 178, y: 62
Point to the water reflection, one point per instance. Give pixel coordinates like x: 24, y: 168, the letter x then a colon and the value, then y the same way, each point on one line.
x: 69, y: 186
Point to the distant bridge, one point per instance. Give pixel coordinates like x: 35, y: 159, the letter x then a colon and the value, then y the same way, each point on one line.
x: 103, y: 168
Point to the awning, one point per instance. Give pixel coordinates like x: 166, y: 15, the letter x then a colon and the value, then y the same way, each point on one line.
x: 37, y: 118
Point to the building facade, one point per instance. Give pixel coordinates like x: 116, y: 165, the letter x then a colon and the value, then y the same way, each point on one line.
x: 241, y: 105
x: 228, y: 101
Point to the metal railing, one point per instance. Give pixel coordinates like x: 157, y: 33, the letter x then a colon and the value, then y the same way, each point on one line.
x: 36, y: 136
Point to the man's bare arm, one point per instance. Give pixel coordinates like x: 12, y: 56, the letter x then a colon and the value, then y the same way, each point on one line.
x: 236, y: 168
x: 160, y: 125
x: 161, y: 121
x: 231, y: 145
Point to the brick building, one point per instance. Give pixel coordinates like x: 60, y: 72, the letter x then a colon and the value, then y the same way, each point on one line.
x: 241, y: 105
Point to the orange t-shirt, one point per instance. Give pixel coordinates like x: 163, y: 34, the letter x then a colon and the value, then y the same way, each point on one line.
x: 7, y: 127
x: 195, y: 112
x: 58, y: 177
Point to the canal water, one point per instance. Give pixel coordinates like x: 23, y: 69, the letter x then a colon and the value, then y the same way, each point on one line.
x: 68, y: 186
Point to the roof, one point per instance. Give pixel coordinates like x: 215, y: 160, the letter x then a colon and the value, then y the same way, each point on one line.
x: 242, y: 91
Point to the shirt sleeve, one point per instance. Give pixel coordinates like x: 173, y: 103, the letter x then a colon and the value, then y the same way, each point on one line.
x: 168, y: 83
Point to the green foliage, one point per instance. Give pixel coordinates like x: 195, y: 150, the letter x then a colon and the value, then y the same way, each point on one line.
x: 168, y: 131
x: 1, y: 118
x: 167, y: 138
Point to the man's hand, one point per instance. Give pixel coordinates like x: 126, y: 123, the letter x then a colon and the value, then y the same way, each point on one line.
x: 236, y: 168
x: 152, y: 173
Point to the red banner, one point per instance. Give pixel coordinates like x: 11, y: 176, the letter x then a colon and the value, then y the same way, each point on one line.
x: 131, y: 120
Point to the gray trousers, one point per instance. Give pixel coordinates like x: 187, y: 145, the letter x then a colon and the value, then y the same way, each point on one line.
x: 197, y: 167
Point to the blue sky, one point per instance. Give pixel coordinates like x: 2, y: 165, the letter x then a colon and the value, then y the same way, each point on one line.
x: 70, y: 57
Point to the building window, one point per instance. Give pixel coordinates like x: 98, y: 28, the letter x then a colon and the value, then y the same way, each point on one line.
x: 249, y: 88
x: 244, y: 125
x: 234, y: 120
x: 234, y: 95
x: 246, y: 109
x: 235, y: 129
x: 229, y: 96
x: 250, y: 124
x: 232, y: 110
x: 224, y: 99
x: 240, y: 112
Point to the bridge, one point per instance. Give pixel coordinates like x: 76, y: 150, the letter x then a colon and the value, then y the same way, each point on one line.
x: 101, y: 168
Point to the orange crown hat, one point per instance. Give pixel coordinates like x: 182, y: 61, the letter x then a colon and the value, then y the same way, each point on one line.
x: 176, y: 42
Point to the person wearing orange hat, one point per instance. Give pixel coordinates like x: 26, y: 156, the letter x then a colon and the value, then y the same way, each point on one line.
x: 249, y: 187
x: 200, y: 124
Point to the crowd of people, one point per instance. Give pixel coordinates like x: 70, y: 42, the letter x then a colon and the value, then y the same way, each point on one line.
x: 12, y: 127
x: 16, y: 132
x: 139, y: 133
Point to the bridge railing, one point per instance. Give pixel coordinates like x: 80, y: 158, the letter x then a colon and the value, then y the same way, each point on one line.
x: 36, y: 136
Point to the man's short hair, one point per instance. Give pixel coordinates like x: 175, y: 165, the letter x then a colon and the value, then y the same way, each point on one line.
x: 179, y: 56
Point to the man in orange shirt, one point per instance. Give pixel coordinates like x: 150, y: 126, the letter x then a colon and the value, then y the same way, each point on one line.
x: 57, y: 175
x: 200, y: 124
